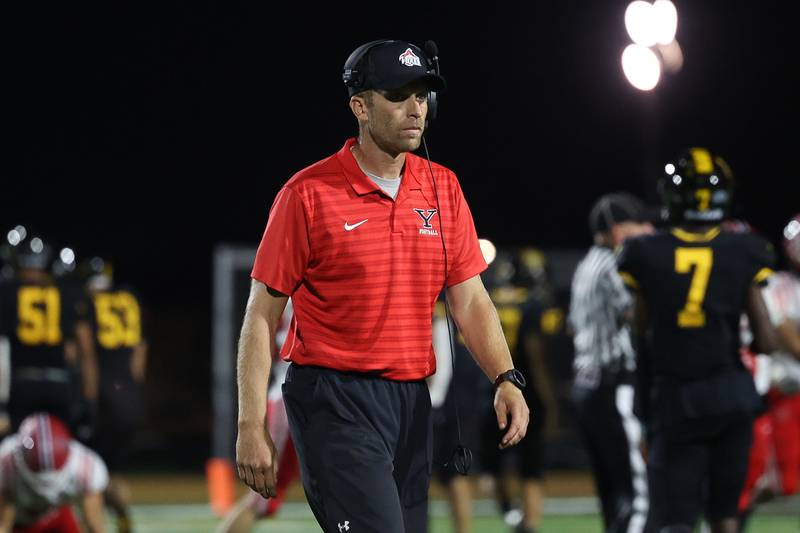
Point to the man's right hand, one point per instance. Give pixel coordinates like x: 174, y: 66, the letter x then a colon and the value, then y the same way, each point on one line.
x: 255, y: 460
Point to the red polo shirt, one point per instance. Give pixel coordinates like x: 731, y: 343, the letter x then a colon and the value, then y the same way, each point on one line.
x: 363, y: 270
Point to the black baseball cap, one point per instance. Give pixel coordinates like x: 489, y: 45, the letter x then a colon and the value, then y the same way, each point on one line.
x: 616, y: 208
x: 389, y: 65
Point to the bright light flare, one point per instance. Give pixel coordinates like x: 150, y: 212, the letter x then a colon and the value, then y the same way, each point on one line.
x: 67, y: 256
x: 641, y: 67
x: 488, y: 249
x: 671, y: 56
x: 641, y: 23
x: 665, y: 21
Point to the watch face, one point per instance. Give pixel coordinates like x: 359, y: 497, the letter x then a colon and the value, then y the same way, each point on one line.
x: 514, y: 376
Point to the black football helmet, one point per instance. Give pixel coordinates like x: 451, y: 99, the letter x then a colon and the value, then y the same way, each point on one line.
x: 65, y: 263
x: 697, y: 188
x: 530, y: 267
x: 501, y: 271
x: 97, y: 273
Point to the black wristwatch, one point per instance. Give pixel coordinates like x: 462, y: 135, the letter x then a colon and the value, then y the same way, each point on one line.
x: 514, y: 376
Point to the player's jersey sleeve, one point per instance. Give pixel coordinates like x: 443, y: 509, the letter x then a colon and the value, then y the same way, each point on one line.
x: 531, y: 321
x: 76, y: 307
x: 467, y: 260
x: 92, y: 472
x: 7, y: 464
x: 135, y: 313
x: 629, y: 264
x: 782, y: 298
x: 760, y: 259
x: 91, y: 315
x: 283, y: 254
x: 7, y: 317
x: 613, y: 288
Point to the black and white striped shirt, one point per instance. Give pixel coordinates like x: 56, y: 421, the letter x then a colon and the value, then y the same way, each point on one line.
x: 599, y: 299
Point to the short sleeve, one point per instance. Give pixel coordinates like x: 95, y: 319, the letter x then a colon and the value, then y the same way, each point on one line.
x: 782, y: 298
x: 464, y: 253
x: 98, y: 480
x: 531, y: 321
x: 628, y: 264
x: 284, y: 251
x: 5, y: 319
x: 615, y: 292
x: 761, y: 259
x: 7, y: 464
x: 92, y: 473
x: 76, y: 308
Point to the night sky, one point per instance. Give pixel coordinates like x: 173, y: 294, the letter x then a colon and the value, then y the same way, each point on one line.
x: 149, y: 135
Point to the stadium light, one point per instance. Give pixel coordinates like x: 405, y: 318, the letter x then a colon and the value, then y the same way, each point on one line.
x: 16, y: 235
x: 641, y: 66
x: 671, y: 56
x: 37, y: 245
x: 665, y: 21
x: 652, y: 28
x: 640, y: 23
x: 67, y: 256
x: 791, y: 230
x: 650, y: 24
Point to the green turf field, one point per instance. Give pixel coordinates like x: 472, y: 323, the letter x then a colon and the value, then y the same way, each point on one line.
x: 296, y: 519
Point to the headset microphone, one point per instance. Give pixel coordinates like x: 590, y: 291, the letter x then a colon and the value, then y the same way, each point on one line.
x: 355, y: 77
x: 433, y: 53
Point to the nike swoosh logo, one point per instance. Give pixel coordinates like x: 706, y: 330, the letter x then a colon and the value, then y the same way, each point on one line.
x: 348, y: 227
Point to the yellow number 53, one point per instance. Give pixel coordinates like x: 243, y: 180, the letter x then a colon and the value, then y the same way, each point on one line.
x: 119, y: 320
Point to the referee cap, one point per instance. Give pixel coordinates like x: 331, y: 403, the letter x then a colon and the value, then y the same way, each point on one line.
x: 616, y: 208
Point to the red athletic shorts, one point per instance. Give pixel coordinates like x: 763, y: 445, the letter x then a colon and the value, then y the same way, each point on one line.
x: 775, y: 454
x: 61, y: 520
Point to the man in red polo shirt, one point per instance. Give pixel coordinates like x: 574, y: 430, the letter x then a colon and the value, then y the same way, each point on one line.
x: 364, y: 241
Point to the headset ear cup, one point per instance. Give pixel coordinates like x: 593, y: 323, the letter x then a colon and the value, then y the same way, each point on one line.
x: 433, y: 108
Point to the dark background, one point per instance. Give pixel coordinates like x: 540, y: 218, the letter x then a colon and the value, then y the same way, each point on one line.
x: 149, y: 135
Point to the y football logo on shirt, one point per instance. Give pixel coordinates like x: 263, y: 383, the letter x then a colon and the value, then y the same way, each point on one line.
x: 426, y: 215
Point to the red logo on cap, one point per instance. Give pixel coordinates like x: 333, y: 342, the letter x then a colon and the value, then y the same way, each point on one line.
x: 409, y: 59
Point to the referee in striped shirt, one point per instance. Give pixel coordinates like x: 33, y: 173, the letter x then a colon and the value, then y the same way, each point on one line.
x: 605, y: 363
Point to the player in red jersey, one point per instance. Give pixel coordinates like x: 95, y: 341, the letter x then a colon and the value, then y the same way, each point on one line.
x: 42, y: 472
x: 774, y: 467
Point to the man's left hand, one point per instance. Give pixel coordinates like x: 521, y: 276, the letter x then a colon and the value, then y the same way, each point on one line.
x: 510, y: 404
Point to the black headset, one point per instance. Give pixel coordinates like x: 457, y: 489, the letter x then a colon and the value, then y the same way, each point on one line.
x: 353, y: 77
x: 353, y: 74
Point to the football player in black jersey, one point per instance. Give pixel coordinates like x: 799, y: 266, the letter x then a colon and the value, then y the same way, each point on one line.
x: 43, y: 323
x: 121, y: 357
x: 693, y: 282
x: 518, y: 286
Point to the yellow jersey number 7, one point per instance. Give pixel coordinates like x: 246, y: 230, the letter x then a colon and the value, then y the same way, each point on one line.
x: 698, y: 262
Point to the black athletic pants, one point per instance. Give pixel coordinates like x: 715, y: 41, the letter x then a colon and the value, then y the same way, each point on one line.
x: 365, y: 449
x: 612, y: 436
